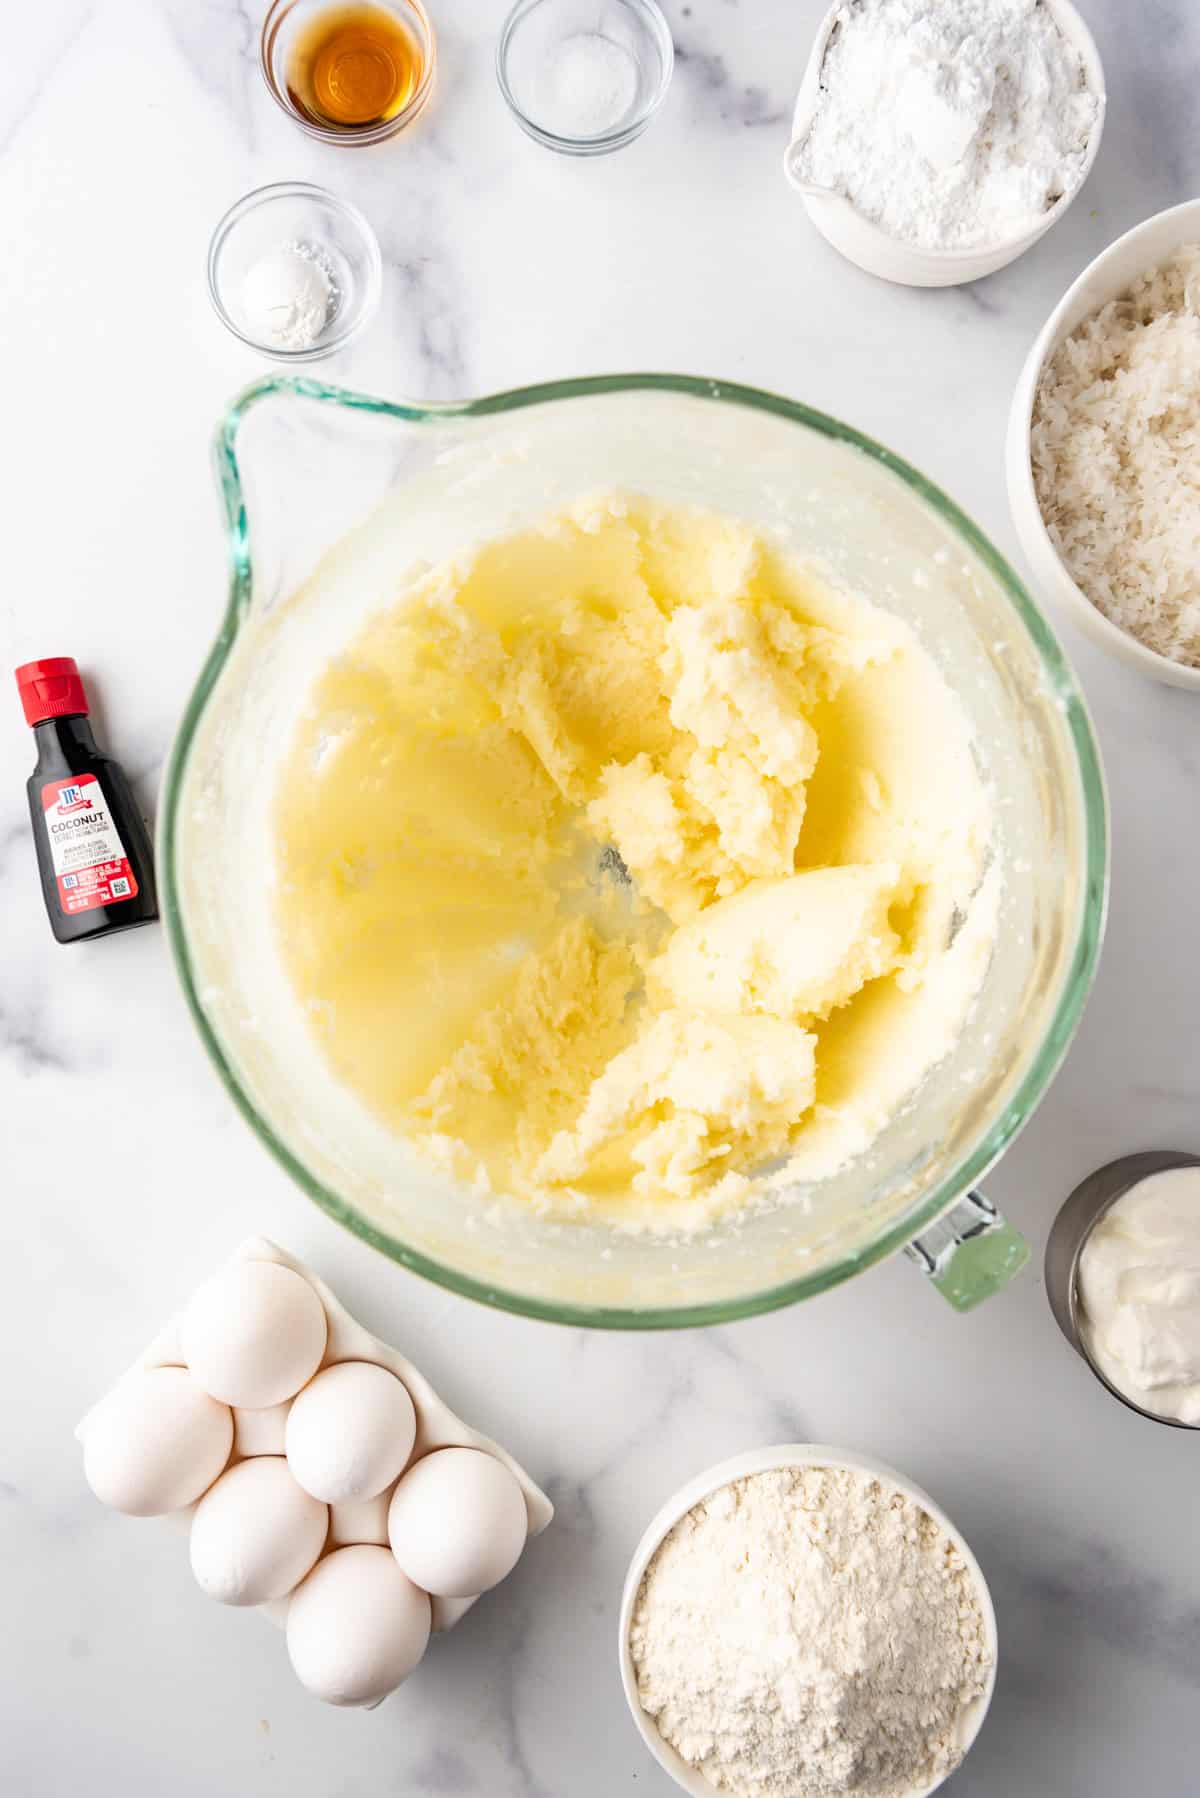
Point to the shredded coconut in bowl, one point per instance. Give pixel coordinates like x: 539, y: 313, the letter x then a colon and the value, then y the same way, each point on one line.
x: 1115, y: 442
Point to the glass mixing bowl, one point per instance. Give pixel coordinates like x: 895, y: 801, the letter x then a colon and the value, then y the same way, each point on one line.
x: 332, y: 499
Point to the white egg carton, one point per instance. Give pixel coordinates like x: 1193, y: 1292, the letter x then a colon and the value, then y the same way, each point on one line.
x: 261, y: 1432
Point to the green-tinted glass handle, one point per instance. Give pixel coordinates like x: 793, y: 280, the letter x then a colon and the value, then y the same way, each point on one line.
x: 970, y: 1252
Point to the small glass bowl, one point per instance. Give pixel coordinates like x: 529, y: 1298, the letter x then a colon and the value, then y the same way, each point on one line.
x: 288, y: 20
x: 295, y: 212
x: 542, y: 66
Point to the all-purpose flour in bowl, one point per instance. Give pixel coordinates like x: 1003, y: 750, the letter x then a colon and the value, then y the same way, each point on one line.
x: 812, y: 1631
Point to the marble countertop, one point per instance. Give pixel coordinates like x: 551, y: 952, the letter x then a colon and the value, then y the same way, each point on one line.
x: 126, y: 128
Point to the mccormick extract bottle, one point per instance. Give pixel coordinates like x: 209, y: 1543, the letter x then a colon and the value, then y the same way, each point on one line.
x: 93, y: 849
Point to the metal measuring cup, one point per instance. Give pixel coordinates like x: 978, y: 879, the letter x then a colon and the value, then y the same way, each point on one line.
x: 1091, y: 1200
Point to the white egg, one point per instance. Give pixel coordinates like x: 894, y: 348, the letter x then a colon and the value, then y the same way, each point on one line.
x: 457, y: 1522
x: 365, y: 1522
x: 256, y: 1533
x: 254, y: 1334
x: 260, y: 1432
x: 350, y: 1432
x: 357, y: 1627
x: 156, y: 1442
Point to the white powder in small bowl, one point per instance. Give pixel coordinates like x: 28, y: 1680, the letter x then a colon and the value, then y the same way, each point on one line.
x: 587, y: 86
x: 288, y: 296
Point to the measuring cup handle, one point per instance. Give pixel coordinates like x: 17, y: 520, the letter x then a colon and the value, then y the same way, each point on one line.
x: 970, y: 1252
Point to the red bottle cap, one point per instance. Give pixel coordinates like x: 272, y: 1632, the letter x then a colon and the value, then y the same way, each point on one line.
x: 51, y: 689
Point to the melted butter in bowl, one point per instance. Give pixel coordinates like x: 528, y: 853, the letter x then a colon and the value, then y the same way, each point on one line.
x: 619, y: 865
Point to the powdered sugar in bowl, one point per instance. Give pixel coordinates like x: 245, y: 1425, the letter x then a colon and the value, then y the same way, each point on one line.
x: 865, y: 1665
x: 1025, y: 85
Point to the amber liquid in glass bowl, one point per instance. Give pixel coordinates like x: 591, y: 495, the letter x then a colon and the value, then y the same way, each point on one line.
x: 353, y: 67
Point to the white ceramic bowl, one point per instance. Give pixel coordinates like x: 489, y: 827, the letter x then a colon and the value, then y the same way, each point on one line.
x: 1112, y: 271
x: 764, y: 1460
x: 877, y: 251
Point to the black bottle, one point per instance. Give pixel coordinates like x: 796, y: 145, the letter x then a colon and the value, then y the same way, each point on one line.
x: 93, y: 849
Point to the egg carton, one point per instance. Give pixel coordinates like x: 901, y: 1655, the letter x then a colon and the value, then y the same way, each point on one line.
x: 259, y: 1432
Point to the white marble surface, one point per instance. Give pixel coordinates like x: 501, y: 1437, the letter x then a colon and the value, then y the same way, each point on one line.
x: 126, y: 127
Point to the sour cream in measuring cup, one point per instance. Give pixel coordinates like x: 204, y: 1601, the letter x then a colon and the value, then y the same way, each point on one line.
x: 1139, y: 1292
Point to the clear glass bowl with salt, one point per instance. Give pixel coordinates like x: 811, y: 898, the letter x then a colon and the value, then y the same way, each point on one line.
x: 584, y: 76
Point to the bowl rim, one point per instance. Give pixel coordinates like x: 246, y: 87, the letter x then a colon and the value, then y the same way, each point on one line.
x: 1079, y: 966
x: 349, y: 135
x: 743, y: 1466
x: 1024, y: 505
x: 253, y: 201
x: 1077, y: 32
x: 618, y: 136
